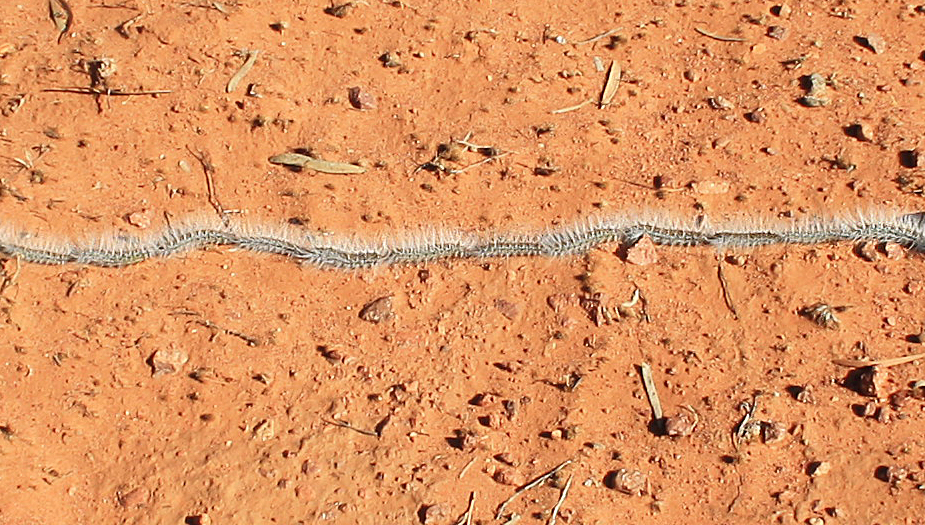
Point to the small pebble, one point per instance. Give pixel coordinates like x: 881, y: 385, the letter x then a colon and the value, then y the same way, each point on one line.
x: 167, y: 362
x: 814, y: 101
x: 361, y: 99
x: 883, y: 415
x: 737, y: 260
x: 133, y: 499
x: 872, y: 381
x: 388, y: 60
x: 465, y: 440
x: 805, y: 395
x: 199, y: 519
x: 778, y: 32
x: 265, y: 430
x: 914, y: 287
x: 378, y: 310
x: 710, y: 187
x: 340, y: 10
x: 507, y: 308
x: 719, y: 102
x: 507, y: 459
x: 681, y: 425
x: 874, y: 42
x: 782, y: 10
x: 434, y: 515
x: 630, y: 482
x: 894, y: 250
x: 773, y: 432
x: 493, y: 420
x: 819, y: 468
x: 758, y: 116
x: 867, y: 250
x: 861, y: 131
x: 483, y: 399
x: 895, y: 474
x: 899, y: 399
x: 509, y: 476
x: 814, y: 83
x: 642, y: 253
x: 140, y: 219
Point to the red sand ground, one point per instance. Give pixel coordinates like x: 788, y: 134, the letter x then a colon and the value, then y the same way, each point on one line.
x: 473, y: 349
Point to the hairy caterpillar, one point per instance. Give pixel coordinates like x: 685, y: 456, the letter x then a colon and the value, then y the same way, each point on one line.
x: 329, y: 252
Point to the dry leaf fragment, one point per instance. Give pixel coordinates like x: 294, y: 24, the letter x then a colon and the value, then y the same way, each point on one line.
x: 124, y: 28
x: 248, y: 64
x: 61, y: 15
x: 298, y: 160
x: 614, y: 74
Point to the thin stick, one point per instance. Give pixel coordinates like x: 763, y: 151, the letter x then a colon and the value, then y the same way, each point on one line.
x: 529, y: 486
x: 479, y: 163
x: 572, y: 108
x: 107, y: 92
x: 251, y: 341
x: 208, y: 168
x: 892, y: 361
x: 727, y: 297
x: 721, y: 38
x: 605, y: 34
x: 466, y: 468
x: 466, y: 518
x: 558, y: 505
x: 343, y: 424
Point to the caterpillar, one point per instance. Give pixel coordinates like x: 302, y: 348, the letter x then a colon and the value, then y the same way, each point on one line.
x: 324, y: 251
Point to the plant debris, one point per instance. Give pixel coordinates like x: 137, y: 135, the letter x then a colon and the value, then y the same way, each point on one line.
x: 299, y: 161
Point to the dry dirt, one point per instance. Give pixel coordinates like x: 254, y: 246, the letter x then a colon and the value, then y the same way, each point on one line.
x: 290, y: 408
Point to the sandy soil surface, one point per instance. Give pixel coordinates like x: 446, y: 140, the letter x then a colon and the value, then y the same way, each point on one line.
x: 227, y: 387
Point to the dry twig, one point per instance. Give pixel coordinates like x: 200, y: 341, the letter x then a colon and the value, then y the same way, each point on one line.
x: 558, y: 505
x: 727, y: 296
x: 529, y: 486
x: 892, y: 361
x: 466, y: 518
x: 344, y: 424
x: 721, y: 38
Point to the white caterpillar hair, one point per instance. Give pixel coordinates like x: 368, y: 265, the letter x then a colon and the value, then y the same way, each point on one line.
x: 907, y: 229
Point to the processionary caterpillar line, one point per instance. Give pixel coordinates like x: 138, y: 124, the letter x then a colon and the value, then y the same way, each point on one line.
x: 325, y: 251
